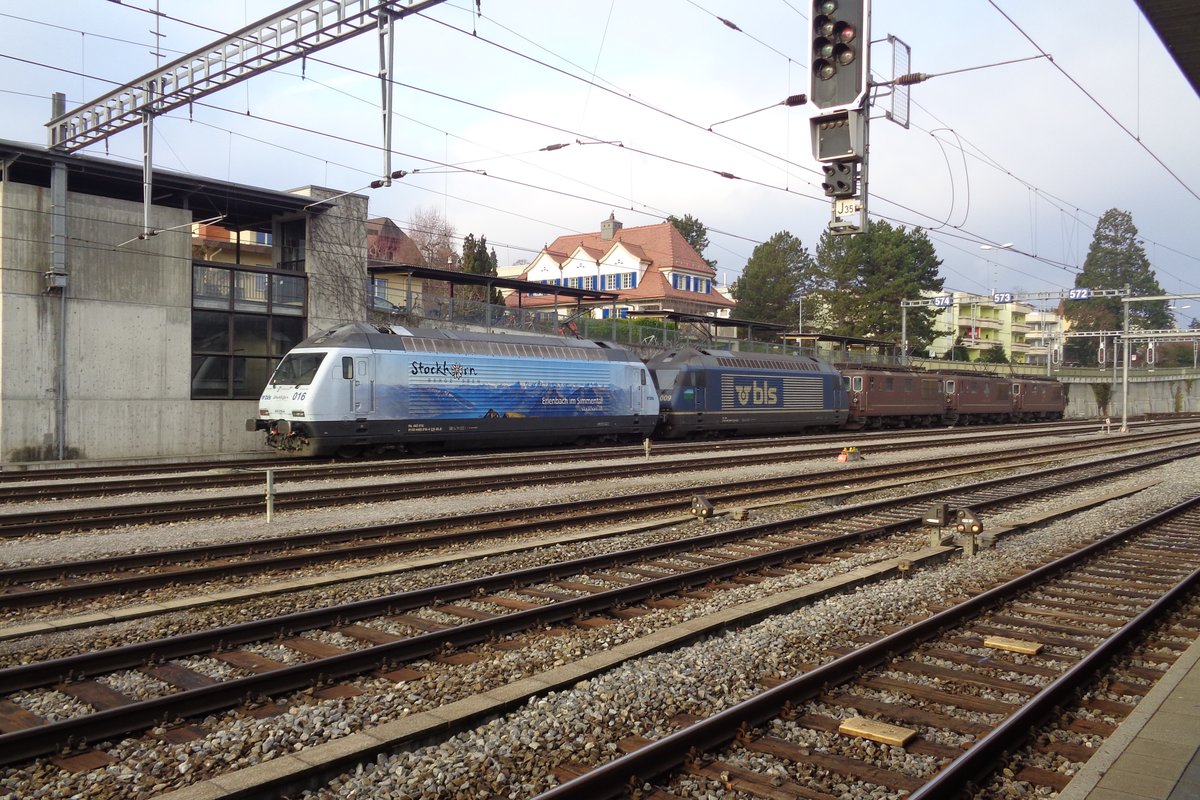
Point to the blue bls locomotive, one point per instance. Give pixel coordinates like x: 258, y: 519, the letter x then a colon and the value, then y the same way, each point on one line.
x: 362, y: 389
x: 722, y: 392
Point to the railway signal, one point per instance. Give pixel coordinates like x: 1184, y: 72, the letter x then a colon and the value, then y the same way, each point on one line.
x: 838, y: 81
x: 840, y: 50
x: 841, y: 179
x: 968, y: 522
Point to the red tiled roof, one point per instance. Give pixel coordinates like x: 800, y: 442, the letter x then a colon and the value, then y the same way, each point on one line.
x: 662, y: 245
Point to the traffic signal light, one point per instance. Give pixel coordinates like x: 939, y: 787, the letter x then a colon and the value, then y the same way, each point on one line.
x: 841, y: 46
x: 841, y: 178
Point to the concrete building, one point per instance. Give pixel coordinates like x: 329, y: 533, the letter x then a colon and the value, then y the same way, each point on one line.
x: 1047, y: 328
x: 978, y: 324
x: 117, y: 341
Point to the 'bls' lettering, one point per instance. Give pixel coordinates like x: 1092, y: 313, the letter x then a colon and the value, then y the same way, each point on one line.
x: 757, y: 394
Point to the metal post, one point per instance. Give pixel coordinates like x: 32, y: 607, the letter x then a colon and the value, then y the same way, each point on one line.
x: 270, y: 494
x: 58, y: 260
x: 904, y: 336
x: 1125, y: 369
x: 148, y: 156
x: 387, y: 49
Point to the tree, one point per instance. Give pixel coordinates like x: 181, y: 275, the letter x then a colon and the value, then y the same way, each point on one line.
x: 958, y: 351
x: 770, y: 287
x: 864, y: 278
x: 696, y: 234
x: 433, y: 235
x: 994, y: 355
x: 478, y: 261
x: 1115, y: 259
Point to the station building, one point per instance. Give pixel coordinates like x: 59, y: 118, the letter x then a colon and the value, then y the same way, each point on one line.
x: 133, y: 332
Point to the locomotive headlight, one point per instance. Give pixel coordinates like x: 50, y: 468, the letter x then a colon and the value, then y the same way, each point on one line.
x: 297, y: 413
x: 264, y: 412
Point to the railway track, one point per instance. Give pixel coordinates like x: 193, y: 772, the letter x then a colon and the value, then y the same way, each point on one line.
x: 309, y: 650
x: 62, y: 484
x: 942, y: 675
x: 65, y: 583
x: 42, y: 520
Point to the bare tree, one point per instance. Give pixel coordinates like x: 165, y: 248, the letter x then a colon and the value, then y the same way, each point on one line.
x: 434, y: 237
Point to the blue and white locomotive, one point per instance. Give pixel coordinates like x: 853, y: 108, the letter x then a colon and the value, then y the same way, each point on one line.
x: 360, y: 388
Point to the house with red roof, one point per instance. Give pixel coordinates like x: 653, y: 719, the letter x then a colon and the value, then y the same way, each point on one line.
x: 650, y: 268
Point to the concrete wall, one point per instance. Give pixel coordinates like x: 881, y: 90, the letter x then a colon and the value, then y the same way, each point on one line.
x: 128, y: 336
x: 1173, y: 394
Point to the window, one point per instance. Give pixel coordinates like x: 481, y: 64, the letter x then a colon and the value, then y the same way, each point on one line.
x: 297, y: 369
x: 291, y: 245
x: 243, y: 322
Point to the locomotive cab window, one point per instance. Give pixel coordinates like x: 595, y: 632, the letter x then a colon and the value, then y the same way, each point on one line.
x: 297, y: 369
x: 348, y: 368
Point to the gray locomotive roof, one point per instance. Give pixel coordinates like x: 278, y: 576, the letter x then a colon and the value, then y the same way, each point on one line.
x: 737, y: 358
x: 397, y: 337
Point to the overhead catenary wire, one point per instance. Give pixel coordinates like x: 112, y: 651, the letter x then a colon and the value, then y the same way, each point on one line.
x: 1097, y: 103
x: 715, y: 170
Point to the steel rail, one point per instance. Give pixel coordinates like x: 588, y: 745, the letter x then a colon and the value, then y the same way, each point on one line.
x: 981, y: 759
x: 667, y: 754
x: 22, y: 524
x: 10, y: 474
x: 22, y: 745
x: 467, y: 529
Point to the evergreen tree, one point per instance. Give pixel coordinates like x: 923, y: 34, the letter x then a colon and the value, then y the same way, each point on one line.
x: 994, y: 355
x: 865, y: 277
x: 477, y: 260
x: 1115, y: 259
x: 695, y: 232
x: 771, y: 284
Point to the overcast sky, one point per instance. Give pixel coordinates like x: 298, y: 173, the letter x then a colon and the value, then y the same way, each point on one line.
x: 1030, y: 153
